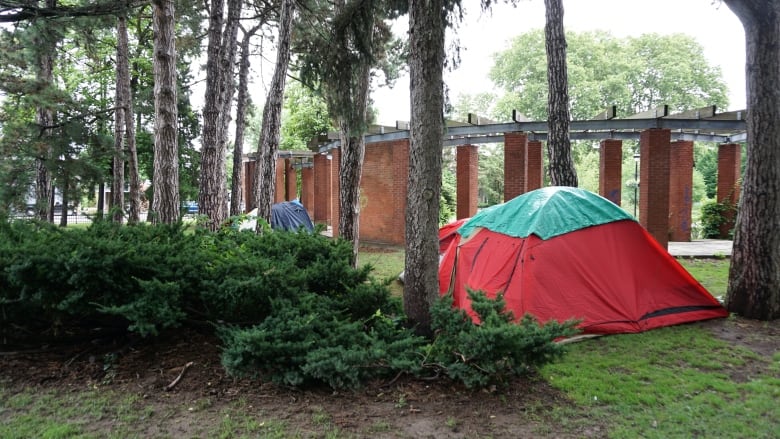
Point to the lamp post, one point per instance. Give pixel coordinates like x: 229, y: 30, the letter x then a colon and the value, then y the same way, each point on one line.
x: 636, y: 181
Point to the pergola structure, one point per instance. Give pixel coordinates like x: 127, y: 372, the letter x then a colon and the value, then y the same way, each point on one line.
x: 666, y: 167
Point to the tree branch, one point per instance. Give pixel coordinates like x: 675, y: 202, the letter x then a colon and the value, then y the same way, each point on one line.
x: 15, y: 11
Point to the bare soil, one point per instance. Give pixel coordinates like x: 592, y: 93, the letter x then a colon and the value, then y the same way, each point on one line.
x: 403, y: 408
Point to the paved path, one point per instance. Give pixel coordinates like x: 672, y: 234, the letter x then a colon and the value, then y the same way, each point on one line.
x: 701, y: 248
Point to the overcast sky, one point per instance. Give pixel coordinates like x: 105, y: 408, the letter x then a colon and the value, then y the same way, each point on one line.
x: 481, y: 35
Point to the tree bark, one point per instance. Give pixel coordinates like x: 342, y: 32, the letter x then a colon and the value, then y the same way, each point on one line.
x: 353, y: 144
x: 44, y: 192
x: 426, y: 63
x: 120, y: 123
x: 562, y: 172
x: 754, y: 276
x: 125, y: 107
x: 227, y: 69
x: 165, y: 206
x: 237, y: 189
x: 212, y: 190
x: 265, y: 177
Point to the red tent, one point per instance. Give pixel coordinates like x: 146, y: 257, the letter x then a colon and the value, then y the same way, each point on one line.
x: 565, y: 253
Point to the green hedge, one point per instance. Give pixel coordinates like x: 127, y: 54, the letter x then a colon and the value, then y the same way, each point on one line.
x: 289, y: 307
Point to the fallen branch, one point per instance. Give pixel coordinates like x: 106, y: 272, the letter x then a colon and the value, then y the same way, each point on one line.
x: 178, y: 378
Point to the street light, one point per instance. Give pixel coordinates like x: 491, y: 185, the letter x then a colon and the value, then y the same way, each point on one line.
x: 636, y: 181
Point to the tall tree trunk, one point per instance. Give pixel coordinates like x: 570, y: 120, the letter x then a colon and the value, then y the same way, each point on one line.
x: 125, y: 107
x: 101, y: 200
x: 426, y: 62
x: 211, y: 195
x: 562, y: 172
x: 265, y: 177
x: 227, y: 62
x: 120, y: 123
x: 236, y: 192
x: 65, y: 197
x: 44, y: 192
x: 165, y: 206
x: 754, y: 277
x: 353, y: 151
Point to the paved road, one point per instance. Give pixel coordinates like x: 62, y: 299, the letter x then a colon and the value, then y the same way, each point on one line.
x: 701, y: 248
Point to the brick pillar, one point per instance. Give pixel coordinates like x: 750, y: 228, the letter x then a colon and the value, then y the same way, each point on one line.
x: 400, y: 185
x: 680, y: 190
x: 467, y: 177
x: 307, y: 189
x: 322, y: 189
x: 335, y: 193
x: 514, y: 164
x: 291, y: 180
x: 729, y: 164
x: 534, y: 165
x: 611, y: 170
x: 280, y: 189
x: 249, y: 185
x: 654, y: 183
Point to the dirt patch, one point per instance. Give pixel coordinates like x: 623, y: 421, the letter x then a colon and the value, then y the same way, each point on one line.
x: 760, y: 337
x: 197, y: 402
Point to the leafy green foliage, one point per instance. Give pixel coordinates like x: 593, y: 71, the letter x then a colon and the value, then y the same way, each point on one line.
x: 448, y: 202
x: 714, y: 215
x: 634, y: 73
x: 496, y: 348
x: 304, y: 116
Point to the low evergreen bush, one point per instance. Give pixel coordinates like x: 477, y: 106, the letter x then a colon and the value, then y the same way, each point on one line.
x: 495, y: 349
x: 289, y: 307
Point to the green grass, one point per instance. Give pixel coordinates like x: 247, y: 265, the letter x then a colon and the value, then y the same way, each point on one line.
x: 45, y: 414
x: 670, y: 382
x: 713, y: 274
x: 388, y: 263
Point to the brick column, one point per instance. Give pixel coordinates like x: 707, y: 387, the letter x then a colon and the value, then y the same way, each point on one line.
x: 514, y: 164
x: 249, y: 185
x: 307, y: 190
x: 534, y: 165
x: 680, y: 190
x: 383, y: 192
x: 291, y: 180
x: 280, y: 188
x: 400, y: 185
x: 654, y: 183
x: 335, y: 193
x: 322, y: 189
x: 611, y: 170
x: 467, y: 179
x: 729, y: 164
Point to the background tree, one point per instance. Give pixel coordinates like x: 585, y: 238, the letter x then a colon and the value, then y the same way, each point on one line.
x: 304, y: 117
x: 754, y: 277
x: 46, y: 44
x: 128, y: 117
x: 337, y: 56
x: 561, y: 166
x: 221, y: 53
x: 165, y: 206
x: 604, y: 70
x: 242, y: 102
x: 267, y: 149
